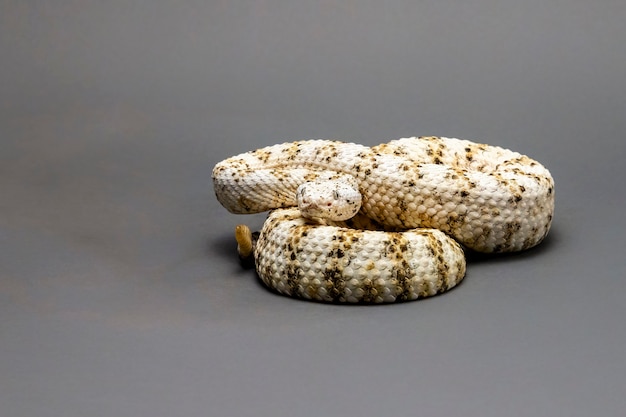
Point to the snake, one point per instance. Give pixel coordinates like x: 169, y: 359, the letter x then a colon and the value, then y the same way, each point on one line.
x: 349, y: 223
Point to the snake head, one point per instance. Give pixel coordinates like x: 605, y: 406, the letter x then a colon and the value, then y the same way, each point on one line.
x: 335, y: 200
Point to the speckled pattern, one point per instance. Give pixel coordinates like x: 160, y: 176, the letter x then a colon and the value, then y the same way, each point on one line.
x: 486, y: 198
x: 340, y: 264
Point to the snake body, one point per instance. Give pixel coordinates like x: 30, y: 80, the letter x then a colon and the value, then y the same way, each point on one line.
x: 421, y: 199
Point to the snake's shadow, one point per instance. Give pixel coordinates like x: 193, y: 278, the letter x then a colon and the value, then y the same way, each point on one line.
x: 226, y: 247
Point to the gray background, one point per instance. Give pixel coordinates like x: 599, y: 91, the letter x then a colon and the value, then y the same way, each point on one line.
x: 120, y: 290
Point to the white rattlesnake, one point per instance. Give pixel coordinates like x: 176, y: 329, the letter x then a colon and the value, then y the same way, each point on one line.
x: 420, y: 196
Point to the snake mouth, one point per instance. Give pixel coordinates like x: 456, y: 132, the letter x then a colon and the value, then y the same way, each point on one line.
x: 316, y: 206
x: 312, y: 211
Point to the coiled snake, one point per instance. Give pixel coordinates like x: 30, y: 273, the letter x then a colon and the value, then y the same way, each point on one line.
x: 386, y: 223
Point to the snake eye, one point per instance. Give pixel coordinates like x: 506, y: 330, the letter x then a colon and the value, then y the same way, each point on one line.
x: 336, y: 194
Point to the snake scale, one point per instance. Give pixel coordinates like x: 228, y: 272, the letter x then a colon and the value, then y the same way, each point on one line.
x: 419, y: 202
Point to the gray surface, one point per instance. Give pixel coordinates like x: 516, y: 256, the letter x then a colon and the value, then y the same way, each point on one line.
x: 120, y: 290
